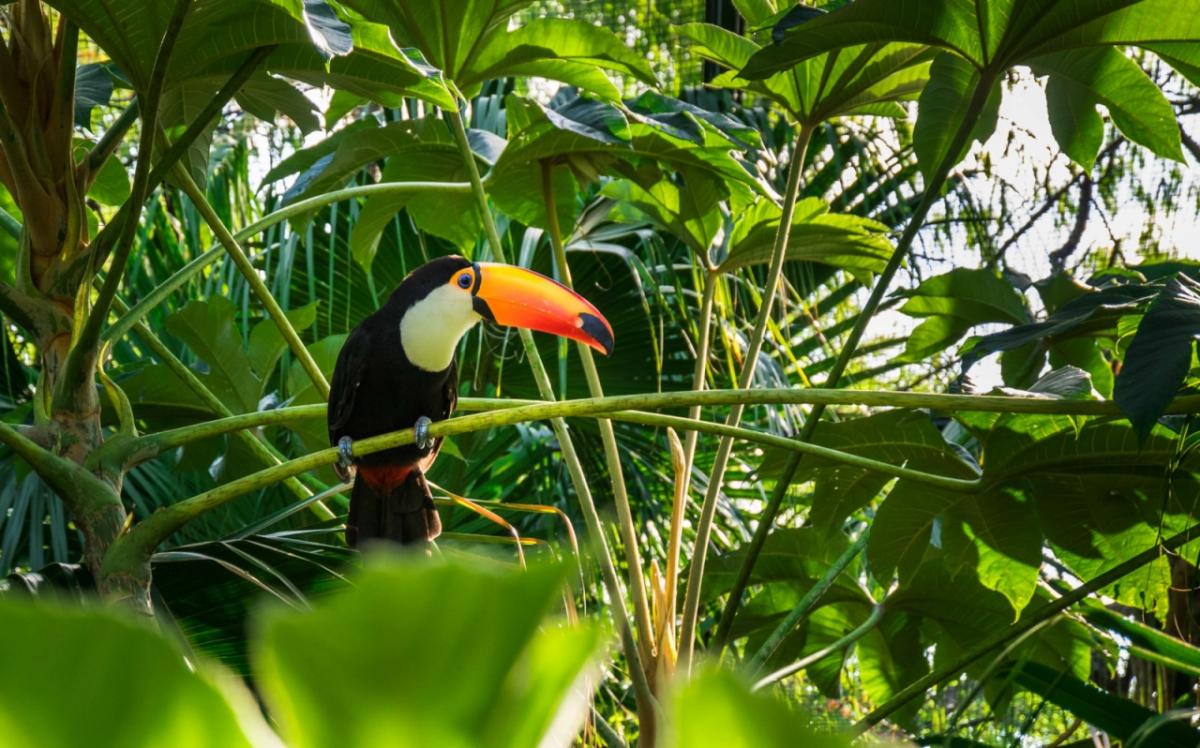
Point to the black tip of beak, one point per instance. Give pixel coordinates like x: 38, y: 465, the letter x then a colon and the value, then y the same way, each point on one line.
x: 599, y: 332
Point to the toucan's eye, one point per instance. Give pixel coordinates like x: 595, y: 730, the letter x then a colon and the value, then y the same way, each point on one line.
x: 464, y: 280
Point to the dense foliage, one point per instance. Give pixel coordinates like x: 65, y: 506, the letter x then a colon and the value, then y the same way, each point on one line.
x: 869, y: 442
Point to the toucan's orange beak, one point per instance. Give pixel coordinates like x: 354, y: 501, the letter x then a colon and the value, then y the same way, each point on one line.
x: 516, y: 297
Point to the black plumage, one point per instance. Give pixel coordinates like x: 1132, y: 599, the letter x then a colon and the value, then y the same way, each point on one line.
x: 376, y: 389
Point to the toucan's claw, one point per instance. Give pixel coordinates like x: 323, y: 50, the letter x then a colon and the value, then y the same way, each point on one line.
x: 345, y: 464
x: 421, y: 435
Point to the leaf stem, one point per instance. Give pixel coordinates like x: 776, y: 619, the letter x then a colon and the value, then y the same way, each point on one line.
x: 583, y: 492
x: 691, y: 600
x: 700, y: 373
x: 931, y: 194
x: 250, y: 273
x: 637, y: 584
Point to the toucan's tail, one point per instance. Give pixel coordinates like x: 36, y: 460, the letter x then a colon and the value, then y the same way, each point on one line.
x: 402, y: 512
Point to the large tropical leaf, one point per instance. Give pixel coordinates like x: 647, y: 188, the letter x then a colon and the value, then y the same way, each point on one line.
x: 470, y: 42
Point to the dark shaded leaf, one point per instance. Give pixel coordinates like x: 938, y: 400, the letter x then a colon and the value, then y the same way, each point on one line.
x: 1160, y: 355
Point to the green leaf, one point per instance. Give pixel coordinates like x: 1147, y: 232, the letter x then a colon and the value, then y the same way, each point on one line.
x: 955, y: 302
x: 303, y: 159
x: 181, y: 105
x: 1093, y: 313
x: 428, y: 211
x: 1183, y: 56
x: 1116, y: 23
x: 93, y: 88
x: 1106, y: 76
x: 581, y: 135
x: 488, y: 621
x: 267, y: 343
x: 209, y: 329
x: 796, y: 557
x: 1118, y: 717
x: 470, y: 42
x: 959, y: 613
x: 898, y: 437
x: 943, y: 105
x: 1074, y: 121
x: 951, y: 24
x: 891, y: 656
x: 1160, y: 355
x: 716, y: 708
x: 366, y: 146
x: 1003, y: 526
x: 843, y: 241
x: 111, y: 184
x: 162, y: 698
x: 870, y: 79
x: 264, y: 95
x: 554, y: 48
x: 903, y: 529
x: 690, y: 212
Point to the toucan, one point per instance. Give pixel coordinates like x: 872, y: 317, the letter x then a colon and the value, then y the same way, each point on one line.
x: 396, y: 370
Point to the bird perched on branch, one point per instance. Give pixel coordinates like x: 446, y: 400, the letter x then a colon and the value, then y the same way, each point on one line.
x: 397, y: 370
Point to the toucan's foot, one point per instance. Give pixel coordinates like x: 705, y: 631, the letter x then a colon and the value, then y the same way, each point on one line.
x: 345, y: 464
x: 421, y: 435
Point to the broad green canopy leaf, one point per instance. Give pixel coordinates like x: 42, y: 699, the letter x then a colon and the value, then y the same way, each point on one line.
x: 470, y: 42
x: 138, y: 689
x: 1067, y: 41
x: 480, y: 665
x: 716, y: 708
x: 868, y: 79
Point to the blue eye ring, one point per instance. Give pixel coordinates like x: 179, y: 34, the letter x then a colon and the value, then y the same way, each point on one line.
x: 465, y: 280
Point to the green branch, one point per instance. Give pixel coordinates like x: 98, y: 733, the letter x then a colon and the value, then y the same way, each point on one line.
x: 691, y: 599
x: 153, y: 530
x: 80, y: 490
x: 629, y: 533
x: 931, y: 194
x: 152, y: 444
x: 1028, y: 621
x: 302, y: 354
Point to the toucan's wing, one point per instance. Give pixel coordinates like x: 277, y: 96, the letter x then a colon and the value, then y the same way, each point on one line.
x: 347, y: 378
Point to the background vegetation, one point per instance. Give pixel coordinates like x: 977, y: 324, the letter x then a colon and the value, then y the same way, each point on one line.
x: 898, y: 431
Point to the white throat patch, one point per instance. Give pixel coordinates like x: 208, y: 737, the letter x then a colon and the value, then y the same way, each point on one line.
x: 431, y: 328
